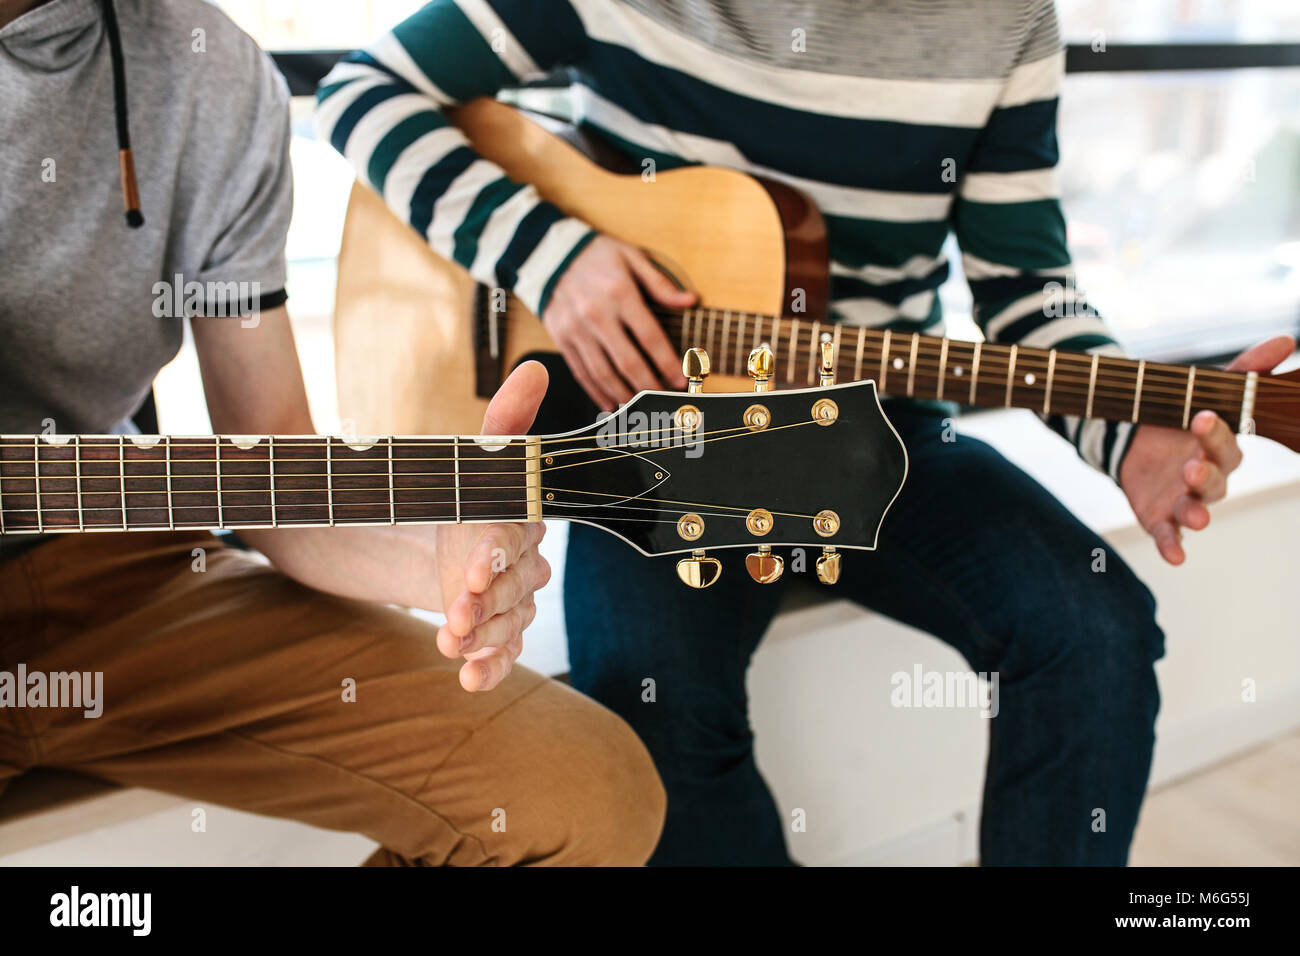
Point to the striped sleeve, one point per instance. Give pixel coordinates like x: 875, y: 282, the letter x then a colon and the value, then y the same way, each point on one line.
x: 1008, y: 220
x: 382, y: 109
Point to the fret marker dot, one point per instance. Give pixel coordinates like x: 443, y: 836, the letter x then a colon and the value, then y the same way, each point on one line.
x: 957, y: 371
x: 1029, y: 378
x: 898, y: 363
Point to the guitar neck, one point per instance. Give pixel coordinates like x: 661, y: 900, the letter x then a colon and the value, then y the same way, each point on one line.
x: 1050, y: 381
x: 126, y: 483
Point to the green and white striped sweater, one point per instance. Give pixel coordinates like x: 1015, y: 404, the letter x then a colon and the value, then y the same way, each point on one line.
x: 904, y: 120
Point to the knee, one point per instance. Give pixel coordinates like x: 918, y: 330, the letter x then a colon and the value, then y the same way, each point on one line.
x: 615, y: 799
x: 1115, y: 619
x: 1097, y: 621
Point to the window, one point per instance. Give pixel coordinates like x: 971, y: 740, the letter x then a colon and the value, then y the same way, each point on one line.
x: 1181, y: 189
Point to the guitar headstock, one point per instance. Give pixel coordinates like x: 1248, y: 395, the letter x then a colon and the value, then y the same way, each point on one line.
x: 675, y: 473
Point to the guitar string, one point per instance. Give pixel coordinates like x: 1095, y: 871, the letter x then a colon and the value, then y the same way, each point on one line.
x: 701, y: 438
x: 685, y: 507
x: 1180, y: 391
x: 678, y: 321
x: 40, y: 510
x: 269, y: 476
x: 1226, y: 384
x: 604, y: 510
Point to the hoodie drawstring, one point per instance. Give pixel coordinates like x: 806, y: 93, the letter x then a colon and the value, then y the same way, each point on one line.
x: 126, y: 162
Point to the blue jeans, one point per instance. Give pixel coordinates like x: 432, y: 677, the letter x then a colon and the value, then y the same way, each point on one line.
x: 974, y: 552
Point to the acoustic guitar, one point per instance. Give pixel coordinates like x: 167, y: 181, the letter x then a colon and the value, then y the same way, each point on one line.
x: 421, y: 346
x: 669, y: 474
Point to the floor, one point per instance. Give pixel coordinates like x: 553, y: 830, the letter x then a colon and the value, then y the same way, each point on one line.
x: 1241, y: 813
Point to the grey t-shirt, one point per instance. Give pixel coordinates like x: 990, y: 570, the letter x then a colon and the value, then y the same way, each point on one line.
x: 84, y: 323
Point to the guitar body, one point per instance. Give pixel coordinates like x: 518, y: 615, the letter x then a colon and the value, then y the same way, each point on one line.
x: 410, y: 358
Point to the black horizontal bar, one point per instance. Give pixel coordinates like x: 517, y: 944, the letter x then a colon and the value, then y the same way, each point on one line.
x: 304, y: 68
x: 1151, y: 57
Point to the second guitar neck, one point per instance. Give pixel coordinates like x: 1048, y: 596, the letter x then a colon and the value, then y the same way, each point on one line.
x: 1049, y: 381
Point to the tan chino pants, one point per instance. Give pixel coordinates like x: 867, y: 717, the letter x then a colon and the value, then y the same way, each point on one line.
x: 227, y: 685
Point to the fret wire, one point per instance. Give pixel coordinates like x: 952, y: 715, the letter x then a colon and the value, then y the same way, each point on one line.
x: 270, y: 463
x: 456, y: 448
x: 884, y: 361
x: 1187, y: 404
x: 726, y: 337
x: 1011, y: 374
x: 708, y: 342
x: 121, y: 470
x: 794, y: 343
x: 758, y: 331
x: 329, y: 479
x: 776, y: 339
x: 1137, y: 392
x: 911, y: 365
x: 1092, y: 384
x: 975, y: 371
x: 36, y: 474
x: 862, y: 339
x: 167, y: 452
x: 1248, y: 391
x: 76, y: 455
x: 1051, y: 375
x: 2, y: 493
x: 943, y: 366
x: 220, y: 517
x: 392, y: 504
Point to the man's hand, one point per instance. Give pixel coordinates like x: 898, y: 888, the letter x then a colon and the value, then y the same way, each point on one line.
x: 489, y: 573
x: 481, y: 576
x: 599, y: 319
x: 1171, y: 475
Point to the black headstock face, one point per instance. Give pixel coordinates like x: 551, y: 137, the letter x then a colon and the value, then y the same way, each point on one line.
x: 675, y: 473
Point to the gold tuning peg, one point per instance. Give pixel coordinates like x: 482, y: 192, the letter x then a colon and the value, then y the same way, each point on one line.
x: 697, y: 571
x: 764, y: 566
x: 695, y: 366
x: 828, y: 566
x: 761, y: 365
x: 828, y: 364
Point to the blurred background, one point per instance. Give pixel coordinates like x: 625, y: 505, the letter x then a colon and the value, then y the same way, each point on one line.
x: 1182, y: 188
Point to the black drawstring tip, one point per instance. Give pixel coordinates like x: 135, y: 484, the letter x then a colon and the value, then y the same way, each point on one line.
x: 134, y: 218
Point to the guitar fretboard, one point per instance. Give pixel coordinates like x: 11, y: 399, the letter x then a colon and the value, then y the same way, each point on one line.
x: 926, y: 366
x: 118, y: 483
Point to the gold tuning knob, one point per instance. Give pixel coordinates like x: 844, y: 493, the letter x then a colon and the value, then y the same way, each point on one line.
x: 828, y: 566
x: 828, y: 364
x: 761, y: 365
x: 695, y: 366
x: 697, y: 571
x: 764, y: 566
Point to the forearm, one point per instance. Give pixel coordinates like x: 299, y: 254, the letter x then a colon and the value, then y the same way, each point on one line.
x: 383, y: 108
x: 254, y: 386
x: 389, y: 564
